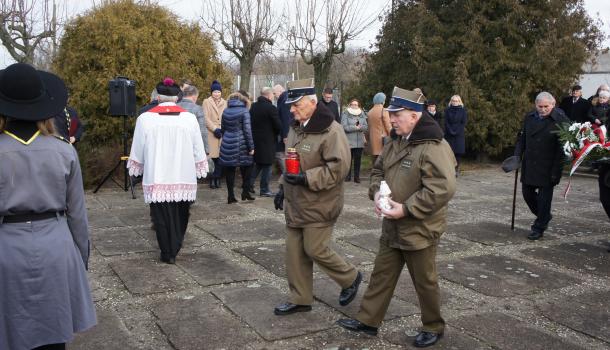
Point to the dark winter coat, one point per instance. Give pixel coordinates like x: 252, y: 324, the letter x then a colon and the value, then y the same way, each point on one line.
x: 265, y: 129
x: 286, y: 119
x: 576, y: 112
x: 601, y: 112
x: 455, y: 126
x: 438, y: 117
x: 333, y: 107
x: 236, y: 130
x: 540, y: 149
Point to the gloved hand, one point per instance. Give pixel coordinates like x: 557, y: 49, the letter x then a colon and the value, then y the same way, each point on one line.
x: 217, y: 133
x: 296, y: 179
x: 278, y: 200
x: 511, y: 163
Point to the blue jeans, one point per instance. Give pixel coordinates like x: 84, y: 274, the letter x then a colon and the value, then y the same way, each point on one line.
x: 265, y: 171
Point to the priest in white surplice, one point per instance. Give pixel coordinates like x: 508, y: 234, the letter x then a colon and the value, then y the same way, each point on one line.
x: 168, y: 151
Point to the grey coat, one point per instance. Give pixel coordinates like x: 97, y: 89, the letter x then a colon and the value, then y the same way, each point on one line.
x: 355, y: 136
x: 44, y: 292
x: 197, y: 110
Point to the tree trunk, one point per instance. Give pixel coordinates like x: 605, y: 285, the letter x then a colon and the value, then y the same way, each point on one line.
x: 246, y: 66
x: 321, y: 72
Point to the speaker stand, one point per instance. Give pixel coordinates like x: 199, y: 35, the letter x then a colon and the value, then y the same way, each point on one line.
x: 127, y: 181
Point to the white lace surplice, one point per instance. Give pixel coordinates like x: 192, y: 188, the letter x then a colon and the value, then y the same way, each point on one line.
x: 168, y: 151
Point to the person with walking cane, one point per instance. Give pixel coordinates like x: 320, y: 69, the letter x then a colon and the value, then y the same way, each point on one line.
x: 540, y: 149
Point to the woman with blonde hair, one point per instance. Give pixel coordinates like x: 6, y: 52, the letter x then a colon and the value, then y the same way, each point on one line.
x: 355, y: 125
x: 237, y: 145
x: 455, y: 127
x: 44, y: 234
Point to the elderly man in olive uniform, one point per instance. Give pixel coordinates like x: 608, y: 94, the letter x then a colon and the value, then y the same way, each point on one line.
x: 419, y: 167
x: 314, y: 200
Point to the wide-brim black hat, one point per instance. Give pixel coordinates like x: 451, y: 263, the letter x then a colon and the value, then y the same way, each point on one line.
x: 30, y: 94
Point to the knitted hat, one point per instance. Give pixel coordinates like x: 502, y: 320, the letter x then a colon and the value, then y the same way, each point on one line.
x: 379, y: 98
x: 215, y: 86
x: 168, y: 87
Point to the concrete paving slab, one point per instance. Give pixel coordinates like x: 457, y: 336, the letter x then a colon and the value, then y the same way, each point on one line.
x: 502, y: 276
x: 148, y: 276
x: 490, y: 233
x: 109, y: 334
x: 577, y: 256
x: 255, y: 307
x: 360, y: 220
x: 506, y: 332
x: 201, y: 322
x: 194, y: 236
x: 271, y: 257
x: 220, y: 210
x: 571, y: 225
x: 120, y: 199
x: 246, y: 231
x: 103, y: 219
x: 327, y: 291
x: 368, y: 241
x: 117, y: 242
x: 209, y: 268
x: 587, y: 313
x: 452, y: 340
x: 133, y: 217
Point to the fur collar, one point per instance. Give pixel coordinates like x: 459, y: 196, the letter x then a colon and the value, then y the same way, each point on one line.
x: 425, y: 129
x: 320, y: 121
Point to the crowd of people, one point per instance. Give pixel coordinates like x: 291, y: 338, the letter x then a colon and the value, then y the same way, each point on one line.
x: 44, y: 292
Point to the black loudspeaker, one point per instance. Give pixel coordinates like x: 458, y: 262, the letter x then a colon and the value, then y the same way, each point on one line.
x: 122, y: 97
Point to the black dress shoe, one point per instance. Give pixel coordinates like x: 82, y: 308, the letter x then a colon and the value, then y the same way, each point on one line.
x: 357, y: 326
x: 290, y: 308
x: 246, y: 195
x: 231, y: 200
x: 533, y: 236
x: 424, y: 339
x: 348, y: 294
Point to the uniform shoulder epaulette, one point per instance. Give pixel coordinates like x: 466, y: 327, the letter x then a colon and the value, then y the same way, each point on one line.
x: 61, y: 138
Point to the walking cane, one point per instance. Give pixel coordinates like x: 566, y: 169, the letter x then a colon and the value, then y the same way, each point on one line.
x: 512, y: 219
x: 508, y: 165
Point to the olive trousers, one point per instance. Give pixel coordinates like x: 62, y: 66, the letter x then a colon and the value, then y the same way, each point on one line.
x: 389, y: 264
x: 303, y: 247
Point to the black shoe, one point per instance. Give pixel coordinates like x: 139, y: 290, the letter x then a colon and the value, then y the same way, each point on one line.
x: 290, y: 308
x: 357, y: 179
x: 533, y: 236
x: 357, y: 326
x: 424, y: 339
x: 231, y: 200
x: 348, y: 294
x: 167, y: 260
x: 245, y: 195
x: 267, y: 194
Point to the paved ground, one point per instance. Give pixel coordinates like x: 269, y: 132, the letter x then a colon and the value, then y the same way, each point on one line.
x: 500, y: 291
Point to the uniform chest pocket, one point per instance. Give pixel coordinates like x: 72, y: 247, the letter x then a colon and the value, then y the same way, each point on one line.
x: 406, y: 164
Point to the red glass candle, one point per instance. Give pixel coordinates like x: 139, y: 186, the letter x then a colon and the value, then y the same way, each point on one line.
x: 292, y: 161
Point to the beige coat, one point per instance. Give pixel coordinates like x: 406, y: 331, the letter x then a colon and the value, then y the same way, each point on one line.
x: 379, y: 127
x: 324, y: 157
x: 421, y: 174
x: 213, y: 116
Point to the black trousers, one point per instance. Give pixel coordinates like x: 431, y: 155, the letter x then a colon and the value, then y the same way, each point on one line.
x: 60, y: 346
x: 246, y: 172
x: 171, y: 220
x: 539, y: 200
x: 604, y: 187
x: 356, y: 160
x: 217, y: 169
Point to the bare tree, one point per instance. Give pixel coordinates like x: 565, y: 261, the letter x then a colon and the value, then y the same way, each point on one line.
x: 321, y: 29
x: 26, y: 25
x: 245, y: 28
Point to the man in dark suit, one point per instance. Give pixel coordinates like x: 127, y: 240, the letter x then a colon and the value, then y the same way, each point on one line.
x: 265, y: 129
x: 540, y: 148
x: 576, y: 107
